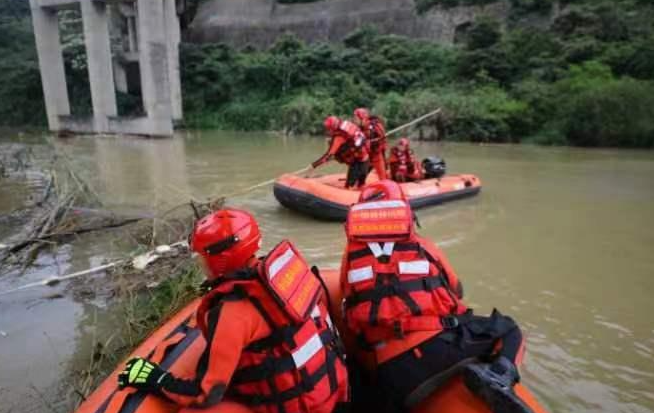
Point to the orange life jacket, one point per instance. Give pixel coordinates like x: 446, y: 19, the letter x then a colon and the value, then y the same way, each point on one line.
x: 376, y: 134
x: 356, y: 146
x: 394, y: 286
x: 401, y: 157
x: 302, y: 359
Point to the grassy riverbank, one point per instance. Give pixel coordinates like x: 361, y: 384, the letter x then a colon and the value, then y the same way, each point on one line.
x: 584, y: 78
x: 135, y: 315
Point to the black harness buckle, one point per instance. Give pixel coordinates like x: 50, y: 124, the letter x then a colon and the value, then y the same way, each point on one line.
x: 449, y: 322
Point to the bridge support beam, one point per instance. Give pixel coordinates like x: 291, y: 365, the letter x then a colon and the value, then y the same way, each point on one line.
x: 153, y: 37
x: 98, y: 51
x: 51, y: 63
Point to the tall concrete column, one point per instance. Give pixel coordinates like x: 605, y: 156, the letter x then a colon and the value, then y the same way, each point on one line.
x: 173, y: 35
x: 120, y: 77
x: 95, y: 19
x: 132, y: 37
x: 153, y: 60
x: 51, y: 63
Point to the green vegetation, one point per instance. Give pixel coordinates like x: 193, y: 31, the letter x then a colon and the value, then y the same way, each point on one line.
x: 135, y: 316
x: 21, y: 96
x: 586, y: 78
x: 424, y: 5
x: 296, y: 1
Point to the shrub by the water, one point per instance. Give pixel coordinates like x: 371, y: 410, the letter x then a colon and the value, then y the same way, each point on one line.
x: 583, y: 79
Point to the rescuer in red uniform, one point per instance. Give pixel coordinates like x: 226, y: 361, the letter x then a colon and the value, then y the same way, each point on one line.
x: 404, y: 166
x: 271, y: 343
x: 348, y: 145
x: 403, y: 303
x: 373, y: 128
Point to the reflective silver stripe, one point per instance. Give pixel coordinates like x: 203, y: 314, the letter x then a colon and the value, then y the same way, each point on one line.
x: 378, y: 251
x: 361, y: 274
x: 379, y: 205
x: 328, y: 319
x: 315, y: 313
x: 375, y: 249
x: 388, y: 248
x: 308, y: 350
x: 279, y: 263
x: 414, y: 267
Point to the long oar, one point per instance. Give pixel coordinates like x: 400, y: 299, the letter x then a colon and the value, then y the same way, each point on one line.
x: 413, y: 122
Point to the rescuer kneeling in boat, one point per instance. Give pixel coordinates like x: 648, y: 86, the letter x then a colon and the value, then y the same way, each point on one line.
x: 348, y: 145
x: 271, y: 344
x: 373, y: 128
x: 403, y: 303
x: 404, y: 166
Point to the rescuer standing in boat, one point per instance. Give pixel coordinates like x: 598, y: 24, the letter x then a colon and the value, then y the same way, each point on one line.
x: 404, y: 165
x: 373, y: 128
x: 271, y: 344
x: 403, y: 303
x: 348, y: 145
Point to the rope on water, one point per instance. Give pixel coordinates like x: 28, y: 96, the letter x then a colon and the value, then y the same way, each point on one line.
x: 52, y: 281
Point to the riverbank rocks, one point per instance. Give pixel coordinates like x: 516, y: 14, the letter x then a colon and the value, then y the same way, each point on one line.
x: 258, y: 23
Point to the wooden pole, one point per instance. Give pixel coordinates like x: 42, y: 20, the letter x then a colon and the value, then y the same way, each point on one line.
x: 413, y: 122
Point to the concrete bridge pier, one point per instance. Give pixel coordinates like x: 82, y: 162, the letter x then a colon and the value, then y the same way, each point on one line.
x: 153, y: 37
x: 51, y: 63
x: 173, y: 36
x: 98, y: 50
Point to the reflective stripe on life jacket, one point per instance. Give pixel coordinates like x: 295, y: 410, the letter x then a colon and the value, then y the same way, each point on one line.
x: 390, y: 220
x: 301, y: 361
x: 394, y: 288
x: 290, y: 281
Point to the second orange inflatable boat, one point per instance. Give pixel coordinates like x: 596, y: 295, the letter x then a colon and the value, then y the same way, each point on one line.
x: 178, y: 344
x: 325, y: 197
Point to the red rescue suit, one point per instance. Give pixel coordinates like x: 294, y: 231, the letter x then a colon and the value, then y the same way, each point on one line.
x: 289, y: 360
x: 398, y: 288
x: 376, y: 133
x: 347, y: 145
x: 404, y: 166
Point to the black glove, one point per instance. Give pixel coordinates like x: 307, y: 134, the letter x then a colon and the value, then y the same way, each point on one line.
x: 141, y: 374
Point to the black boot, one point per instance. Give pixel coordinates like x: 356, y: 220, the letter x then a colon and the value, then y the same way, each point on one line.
x: 493, y: 383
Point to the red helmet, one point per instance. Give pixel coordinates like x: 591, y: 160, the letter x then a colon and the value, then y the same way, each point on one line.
x: 362, y: 113
x: 385, y: 190
x: 226, y: 239
x: 404, y: 142
x: 332, y: 123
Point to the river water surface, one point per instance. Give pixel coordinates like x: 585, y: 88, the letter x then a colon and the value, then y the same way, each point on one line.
x: 561, y: 239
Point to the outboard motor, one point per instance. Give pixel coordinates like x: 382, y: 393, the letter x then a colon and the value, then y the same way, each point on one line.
x: 434, y: 167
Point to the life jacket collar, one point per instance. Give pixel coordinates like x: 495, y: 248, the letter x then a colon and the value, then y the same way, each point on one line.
x: 380, y: 221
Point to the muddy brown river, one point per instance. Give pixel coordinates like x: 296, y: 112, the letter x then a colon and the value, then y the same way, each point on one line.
x: 562, y: 239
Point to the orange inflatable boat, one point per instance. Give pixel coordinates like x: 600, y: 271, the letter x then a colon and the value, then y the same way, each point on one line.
x: 178, y: 344
x: 325, y: 197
